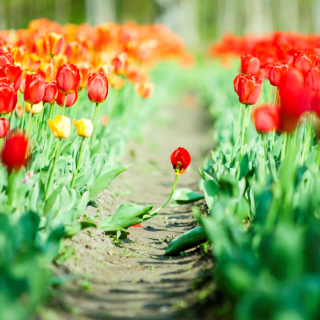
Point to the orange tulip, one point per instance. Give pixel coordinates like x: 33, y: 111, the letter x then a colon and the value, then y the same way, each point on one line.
x: 144, y: 89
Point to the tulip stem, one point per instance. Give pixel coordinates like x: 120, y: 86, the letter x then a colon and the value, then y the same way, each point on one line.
x: 82, y: 147
x: 29, y: 121
x: 265, y: 145
x: 244, y: 120
x: 306, y: 141
x: 171, y: 194
x: 94, y: 125
x: 284, y: 143
x: 22, y: 120
x: 53, y: 169
x: 318, y: 157
x: 64, y: 105
x: 40, y: 122
x: 237, y: 134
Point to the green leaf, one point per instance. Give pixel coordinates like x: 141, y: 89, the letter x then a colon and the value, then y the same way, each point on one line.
x: 204, y: 175
x: 188, y: 240
x: 77, y: 227
x: 67, y: 199
x: 103, y: 182
x: 82, y: 204
x: 211, y: 190
x: 244, y: 166
x: 129, y: 215
x: 114, y: 231
x: 185, y: 196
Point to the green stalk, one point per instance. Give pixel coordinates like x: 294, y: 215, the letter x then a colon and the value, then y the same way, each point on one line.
x: 29, y: 121
x: 40, y: 122
x: 22, y: 120
x: 53, y: 168
x: 171, y: 194
x: 265, y: 145
x: 237, y: 134
x: 284, y: 143
x: 11, y: 186
x: 242, y: 138
x: 94, y: 125
x: 82, y: 147
x: 306, y: 141
x: 318, y: 157
x: 64, y: 105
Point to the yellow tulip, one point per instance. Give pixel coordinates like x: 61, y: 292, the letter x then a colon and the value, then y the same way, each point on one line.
x: 36, y: 108
x: 84, y: 127
x: 60, y: 127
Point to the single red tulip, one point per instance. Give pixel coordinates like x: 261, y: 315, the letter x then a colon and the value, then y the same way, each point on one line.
x: 313, y: 79
x: 50, y: 92
x: 276, y: 72
x: 8, y: 98
x: 249, y: 64
x: 97, y: 87
x: 266, y: 118
x: 68, y: 78
x: 14, y: 152
x: 303, y: 62
x: 35, y: 87
x: 6, y: 58
x: 4, y: 127
x: 71, y: 99
x: 180, y: 159
x: 248, y: 88
x: 294, y: 95
x: 14, y: 73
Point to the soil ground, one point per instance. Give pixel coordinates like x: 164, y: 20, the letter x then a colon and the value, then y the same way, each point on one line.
x: 133, y: 279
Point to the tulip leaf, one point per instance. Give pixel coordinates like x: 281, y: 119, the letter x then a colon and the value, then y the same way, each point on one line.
x: 204, y: 175
x: 82, y: 204
x: 185, y: 196
x: 67, y: 199
x: 77, y: 227
x: 103, y: 182
x: 129, y: 215
x: 187, y: 240
x: 114, y: 231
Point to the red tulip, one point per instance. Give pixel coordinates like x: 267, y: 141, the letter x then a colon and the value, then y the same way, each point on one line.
x: 180, y: 159
x: 71, y: 99
x: 303, y: 62
x: 248, y: 88
x: 34, y: 88
x: 68, y: 78
x: 313, y: 79
x: 4, y: 127
x: 276, y: 72
x: 97, y: 87
x: 266, y: 118
x: 249, y: 64
x: 8, y: 98
x: 13, y: 154
x: 294, y: 94
x: 14, y: 73
x: 50, y: 92
x: 6, y: 58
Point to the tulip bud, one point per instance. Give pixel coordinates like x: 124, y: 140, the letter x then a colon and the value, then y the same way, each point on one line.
x: 249, y: 64
x: 8, y: 98
x: 68, y: 78
x: 180, y: 159
x: 97, y: 87
x: 248, y: 88
x: 53, y: 43
x: 60, y: 127
x: 84, y: 127
x: 4, y: 127
x: 71, y: 98
x: 14, y: 73
x: 34, y: 88
x: 36, y: 108
x: 14, y: 152
x: 266, y: 118
x: 276, y: 73
x: 50, y: 92
x: 145, y: 89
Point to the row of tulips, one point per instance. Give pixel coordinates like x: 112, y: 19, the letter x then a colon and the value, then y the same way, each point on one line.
x: 261, y: 182
x: 52, y: 76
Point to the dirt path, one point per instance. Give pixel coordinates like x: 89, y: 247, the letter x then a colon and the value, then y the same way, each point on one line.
x: 134, y: 280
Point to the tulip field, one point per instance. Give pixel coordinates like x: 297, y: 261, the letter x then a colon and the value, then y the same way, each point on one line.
x: 73, y: 98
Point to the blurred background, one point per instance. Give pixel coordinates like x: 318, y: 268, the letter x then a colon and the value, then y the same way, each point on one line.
x: 197, y: 21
